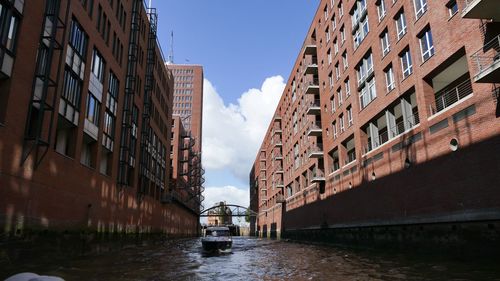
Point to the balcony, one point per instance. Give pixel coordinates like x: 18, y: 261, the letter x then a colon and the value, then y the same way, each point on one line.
x: 277, y: 118
x: 481, y: 9
x: 316, y: 151
x: 315, y: 130
x: 486, y: 62
x: 312, y: 87
x: 278, y: 157
x: 318, y: 176
x: 314, y: 108
x: 278, y: 143
x: 279, y: 170
x: 448, y: 97
x: 310, y: 49
x: 279, y: 184
x: 277, y: 131
x: 311, y: 67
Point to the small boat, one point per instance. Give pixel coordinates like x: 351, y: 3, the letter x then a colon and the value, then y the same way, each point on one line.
x: 217, y: 239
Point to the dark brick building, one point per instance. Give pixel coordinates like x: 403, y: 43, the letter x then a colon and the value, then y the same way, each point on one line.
x: 390, y: 117
x: 85, y: 120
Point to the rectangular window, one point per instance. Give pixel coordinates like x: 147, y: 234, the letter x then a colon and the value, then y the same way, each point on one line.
x: 332, y: 103
x: 342, y: 35
x: 72, y: 89
x: 78, y: 39
x: 93, y: 107
x: 365, y: 68
x: 426, y: 45
x: 406, y: 64
x: 349, y: 116
x: 334, y: 23
x: 12, y: 27
x: 341, y: 9
x: 389, y: 79
x: 347, y: 88
x: 109, y: 124
x: 381, y: 10
x: 341, y: 123
x: 339, y: 96
x: 336, y: 46
x: 401, y: 25
x: 420, y: 7
x: 335, y: 132
x: 452, y: 8
x: 327, y: 34
x: 329, y: 54
x: 384, y: 41
x: 113, y: 85
x: 98, y: 65
x: 345, y: 63
x: 330, y: 79
x: 367, y: 93
x: 337, y: 71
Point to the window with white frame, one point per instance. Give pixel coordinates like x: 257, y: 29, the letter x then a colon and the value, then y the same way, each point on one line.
x: 330, y: 79
x: 426, y: 45
x: 335, y: 46
x: 325, y: 12
x: 386, y: 45
x: 332, y: 103
x: 339, y: 96
x: 361, y: 32
x: 335, y: 131
x: 93, y: 108
x: 420, y: 7
x: 341, y: 9
x: 329, y: 55
x: 327, y: 34
x: 401, y: 25
x: 334, y: 22
x: 9, y: 25
x: 342, y: 35
x: 364, y: 68
x: 406, y: 64
x: 349, y: 116
x: 367, y: 93
x: 345, y: 63
x: 347, y: 87
x: 341, y: 123
x: 337, y: 71
x: 381, y: 10
x: 389, y: 79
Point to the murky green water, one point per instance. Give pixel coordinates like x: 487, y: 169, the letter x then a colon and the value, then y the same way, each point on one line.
x: 257, y: 259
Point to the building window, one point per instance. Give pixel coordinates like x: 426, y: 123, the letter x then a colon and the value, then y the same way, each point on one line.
x: 341, y: 123
x: 330, y: 79
x: 78, y: 39
x: 360, y: 25
x: 72, y: 89
x: 426, y: 45
x: 345, y: 63
x: 452, y: 8
x: 342, y: 35
x: 365, y: 68
x: 113, y: 85
x: 337, y: 71
x: 386, y: 45
x: 327, y: 34
x: 329, y: 54
x: 367, y: 93
x: 420, y: 7
x: 109, y: 124
x: 332, y: 103
x: 389, y: 79
x: 341, y: 9
x: 401, y: 25
x: 325, y: 11
x: 98, y: 65
x: 93, y: 107
x: 349, y: 116
x: 334, y: 23
x: 336, y: 46
x: 347, y: 88
x: 339, y: 96
x: 381, y: 10
x: 406, y: 63
x: 335, y: 132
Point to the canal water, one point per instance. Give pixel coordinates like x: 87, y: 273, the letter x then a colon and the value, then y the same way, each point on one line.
x: 259, y: 259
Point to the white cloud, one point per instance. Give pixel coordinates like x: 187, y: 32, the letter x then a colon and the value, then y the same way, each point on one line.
x: 233, y: 133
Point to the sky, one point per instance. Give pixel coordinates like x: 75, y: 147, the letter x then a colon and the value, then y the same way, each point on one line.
x: 247, y: 49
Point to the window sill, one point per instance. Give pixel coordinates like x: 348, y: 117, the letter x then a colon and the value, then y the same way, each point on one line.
x: 452, y: 16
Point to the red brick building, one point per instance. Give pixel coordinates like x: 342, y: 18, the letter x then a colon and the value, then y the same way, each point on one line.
x: 85, y: 120
x: 390, y: 116
x: 187, y: 111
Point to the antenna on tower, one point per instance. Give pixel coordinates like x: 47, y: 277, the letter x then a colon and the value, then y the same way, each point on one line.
x: 171, y: 54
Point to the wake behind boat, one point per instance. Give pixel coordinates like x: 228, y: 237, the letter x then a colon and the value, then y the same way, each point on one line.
x: 217, y: 239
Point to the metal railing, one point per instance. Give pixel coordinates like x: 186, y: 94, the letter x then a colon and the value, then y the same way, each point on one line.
x: 485, y: 57
x: 449, y: 96
x: 400, y: 127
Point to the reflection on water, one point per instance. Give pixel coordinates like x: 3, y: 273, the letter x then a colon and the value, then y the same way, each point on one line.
x: 257, y: 259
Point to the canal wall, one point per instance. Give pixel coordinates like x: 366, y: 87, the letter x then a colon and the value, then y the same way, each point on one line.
x: 452, y: 199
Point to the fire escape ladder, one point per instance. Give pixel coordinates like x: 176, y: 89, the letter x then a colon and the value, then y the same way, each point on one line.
x: 126, y: 162
x: 146, y: 173
x: 38, y: 127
